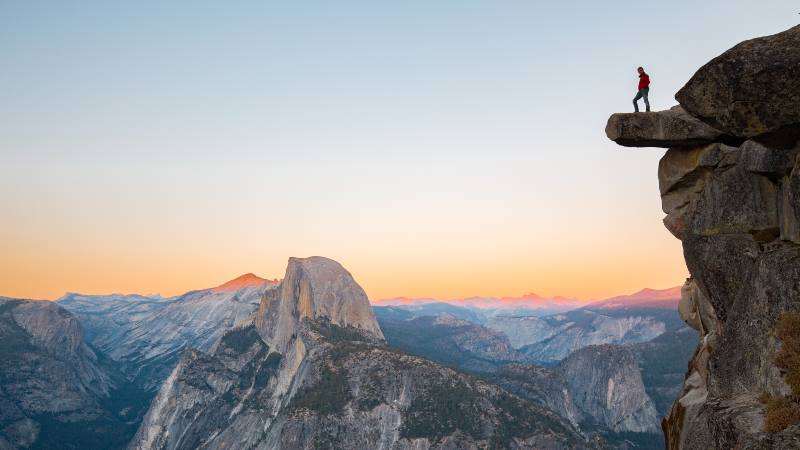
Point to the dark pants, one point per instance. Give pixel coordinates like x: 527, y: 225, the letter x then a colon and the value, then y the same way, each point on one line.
x: 641, y: 94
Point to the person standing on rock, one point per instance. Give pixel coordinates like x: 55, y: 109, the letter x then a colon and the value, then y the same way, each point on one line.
x: 644, y: 89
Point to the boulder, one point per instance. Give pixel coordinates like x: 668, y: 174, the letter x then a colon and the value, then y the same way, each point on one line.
x: 670, y: 128
x: 751, y: 90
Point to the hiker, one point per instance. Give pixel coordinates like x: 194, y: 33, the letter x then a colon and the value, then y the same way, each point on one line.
x: 644, y: 89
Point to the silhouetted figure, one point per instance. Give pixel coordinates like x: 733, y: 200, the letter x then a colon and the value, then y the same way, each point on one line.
x: 644, y: 89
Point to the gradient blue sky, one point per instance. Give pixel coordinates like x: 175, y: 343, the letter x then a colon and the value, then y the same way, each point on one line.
x: 434, y: 148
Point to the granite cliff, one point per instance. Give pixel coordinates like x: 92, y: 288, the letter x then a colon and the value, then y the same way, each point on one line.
x: 312, y: 370
x: 54, y: 388
x: 599, y: 389
x: 730, y: 188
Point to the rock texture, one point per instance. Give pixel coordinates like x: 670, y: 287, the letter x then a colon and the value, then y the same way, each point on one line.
x: 751, y: 90
x: 663, y: 364
x: 599, y: 389
x: 313, y: 371
x: 735, y: 209
x: 147, y: 335
x: 607, y: 387
x: 666, y: 129
x: 54, y: 388
x: 314, y: 288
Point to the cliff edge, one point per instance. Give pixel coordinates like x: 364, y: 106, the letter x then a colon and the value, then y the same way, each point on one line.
x: 730, y: 188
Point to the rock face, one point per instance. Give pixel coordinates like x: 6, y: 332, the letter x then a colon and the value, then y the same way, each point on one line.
x: 661, y: 129
x: 736, y: 209
x: 313, y: 371
x: 147, y: 335
x: 607, y: 387
x: 598, y: 389
x: 663, y: 364
x: 314, y: 288
x: 53, y: 387
x: 751, y: 90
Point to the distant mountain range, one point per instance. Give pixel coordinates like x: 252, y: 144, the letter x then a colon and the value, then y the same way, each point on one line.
x: 147, y: 334
x: 581, y: 370
x: 611, y: 367
x: 533, y: 304
x: 646, y: 298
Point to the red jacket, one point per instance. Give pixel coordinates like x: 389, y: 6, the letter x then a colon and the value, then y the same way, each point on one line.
x: 644, y: 81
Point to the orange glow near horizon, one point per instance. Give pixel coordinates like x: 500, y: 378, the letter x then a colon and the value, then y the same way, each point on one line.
x: 109, y: 233
x: 434, y: 151
x: 582, y: 267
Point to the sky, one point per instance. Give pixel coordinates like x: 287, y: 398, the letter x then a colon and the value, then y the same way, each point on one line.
x: 439, y: 149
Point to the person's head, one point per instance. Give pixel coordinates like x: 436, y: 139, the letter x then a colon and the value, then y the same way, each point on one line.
x: 640, y: 70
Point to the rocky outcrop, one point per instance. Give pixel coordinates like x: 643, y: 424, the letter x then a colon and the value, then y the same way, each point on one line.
x: 314, y: 288
x: 663, y: 365
x: 751, y: 90
x: 607, y: 387
x: 545, y: 386
x: 313, y: 371
x: 736, y: 209
x: 598, y: 389
x: 53, y: 387
x: 661, y: 129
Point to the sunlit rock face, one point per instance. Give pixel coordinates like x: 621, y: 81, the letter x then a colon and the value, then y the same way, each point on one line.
x: 669, y: 128
x: 312, y: 370
x: 312, y: 288
x: 736, y: 209
x: 751, y: 90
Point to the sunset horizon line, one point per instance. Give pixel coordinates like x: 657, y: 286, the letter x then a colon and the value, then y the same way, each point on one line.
x: 251, y: 279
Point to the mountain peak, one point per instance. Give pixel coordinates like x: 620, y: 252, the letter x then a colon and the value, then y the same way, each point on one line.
x: 314, y: 287
x: 645, y: 298
x: 242, y: 281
